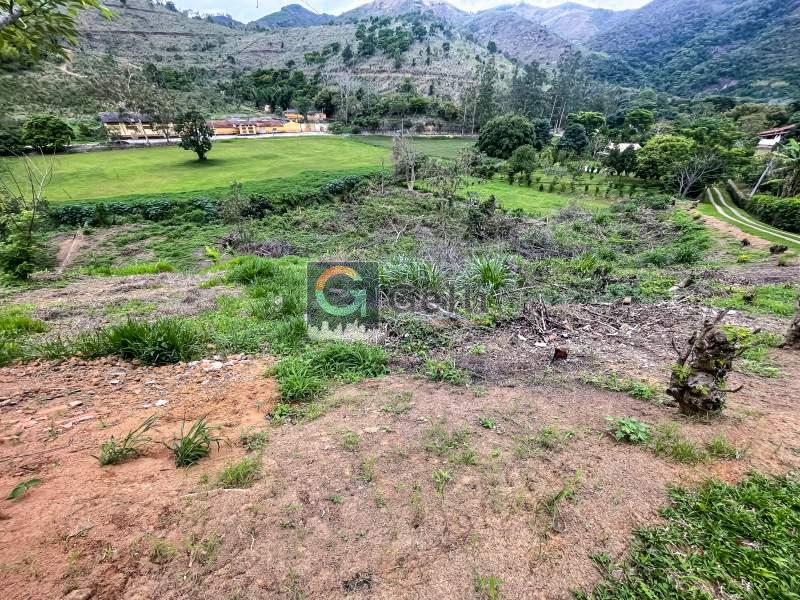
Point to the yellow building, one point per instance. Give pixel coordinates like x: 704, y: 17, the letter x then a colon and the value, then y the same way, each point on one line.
x: 134, y: 126
x: 254, y: 126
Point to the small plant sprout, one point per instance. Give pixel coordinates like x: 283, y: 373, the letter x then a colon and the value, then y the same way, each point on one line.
x: 628, y: 430
x: 196, y: 444
x: 22, y: 488
x: 487, y: 423
x: 488, y: 588
x: 115, y: 451
x: 440, y: 479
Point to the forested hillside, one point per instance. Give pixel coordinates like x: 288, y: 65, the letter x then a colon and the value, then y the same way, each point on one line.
x: 739, y: 47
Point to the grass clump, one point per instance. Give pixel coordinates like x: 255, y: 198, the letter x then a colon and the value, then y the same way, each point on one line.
x: 116, y: 451
x: 241, y: 474
x: 299, y: 380
x: 667, y: 440
x: 254, y: 440
x: 445, y: 371
x: 162, y: 551
x: 350, y: 440
x: 305, y: 376
x: 439, y: 440
x: 779, y: 299
x: 16, y: 321
x: 641, y: 390
x: 720, y: 447
x: 160, y: 342
x: 189, y: 448
x: 138, y: 268
x: 489, y: 587
x: 738, y: 540
x: 546, y: 438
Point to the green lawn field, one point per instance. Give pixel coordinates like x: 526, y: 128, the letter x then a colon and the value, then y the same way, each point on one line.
x: 168, y: 169
x: 530, y: 199
x: 440, y: 147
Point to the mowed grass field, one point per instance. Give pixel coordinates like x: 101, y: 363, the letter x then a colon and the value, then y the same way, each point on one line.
x: 440, y: 147
x: 169, y: 169
x: 530, y: 199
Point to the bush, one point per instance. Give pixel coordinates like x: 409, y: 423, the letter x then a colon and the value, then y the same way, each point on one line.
x: 783, y: 213
x: 47, y: 133
x: 21, y: 255
x: 504, y: 134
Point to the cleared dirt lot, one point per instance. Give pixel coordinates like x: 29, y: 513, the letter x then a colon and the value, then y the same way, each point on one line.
x: 348, y: 505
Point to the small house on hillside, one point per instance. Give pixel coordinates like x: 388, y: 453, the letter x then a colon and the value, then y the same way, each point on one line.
x: 134, y: 126
x: 293, y: 115
x: 772, y: 138
x: 622, y: 146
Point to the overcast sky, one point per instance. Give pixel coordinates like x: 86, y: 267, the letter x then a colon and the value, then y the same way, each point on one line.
x: 250, y: 10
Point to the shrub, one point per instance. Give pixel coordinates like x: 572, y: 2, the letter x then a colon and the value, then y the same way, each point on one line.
x: 783, y: 213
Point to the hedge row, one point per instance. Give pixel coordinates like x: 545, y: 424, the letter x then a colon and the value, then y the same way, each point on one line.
x: 99, y: 214
x: 783, y: 213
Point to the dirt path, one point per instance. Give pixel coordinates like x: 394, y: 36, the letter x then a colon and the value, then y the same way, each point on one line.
x: 68, y: 250
x: 348, y: 504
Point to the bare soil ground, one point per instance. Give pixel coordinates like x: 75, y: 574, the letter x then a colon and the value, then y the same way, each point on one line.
x: 333, y: 520
x: 87, y: 303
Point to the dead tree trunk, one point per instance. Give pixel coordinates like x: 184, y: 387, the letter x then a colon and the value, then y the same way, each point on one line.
x: 793, y: 335
x: 698, y: 378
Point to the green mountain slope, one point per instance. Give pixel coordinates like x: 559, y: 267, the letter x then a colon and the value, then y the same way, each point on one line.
x: 737, y: 47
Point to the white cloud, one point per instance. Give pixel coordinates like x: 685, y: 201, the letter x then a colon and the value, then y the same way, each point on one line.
x: 250, y: 10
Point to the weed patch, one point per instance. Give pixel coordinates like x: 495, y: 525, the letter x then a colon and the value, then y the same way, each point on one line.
x: 241, y: 474
x: 739, y: 540
x: 189, y: 448
x: 116, y: 451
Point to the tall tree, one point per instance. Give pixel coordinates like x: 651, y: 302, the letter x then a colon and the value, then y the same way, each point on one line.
x: 574, y: 141
x: 527, y: 95
x: 486, y: 102
x: 789, y: 157
x: 195, y: 133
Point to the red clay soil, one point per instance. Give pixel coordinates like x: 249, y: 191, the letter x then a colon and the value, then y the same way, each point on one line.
x: 330, y: 519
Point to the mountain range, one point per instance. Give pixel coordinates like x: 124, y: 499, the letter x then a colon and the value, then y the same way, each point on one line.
x: 741, y: 47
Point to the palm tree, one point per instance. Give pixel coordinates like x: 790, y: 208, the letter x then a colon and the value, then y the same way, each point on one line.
x: 789, y: 158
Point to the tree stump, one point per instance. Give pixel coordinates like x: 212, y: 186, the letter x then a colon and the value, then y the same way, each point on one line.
x: 793, y: 335
x: 698, y: 379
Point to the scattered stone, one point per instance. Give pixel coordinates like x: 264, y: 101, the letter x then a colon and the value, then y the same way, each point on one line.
x: 160, y: 403
x: 150, y: 382
x: 212, y: 366
x: 627, y: 301
x: 83, y: 594
x: 76, y: 403
x: 115, y: 382
x: 560, y: 354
